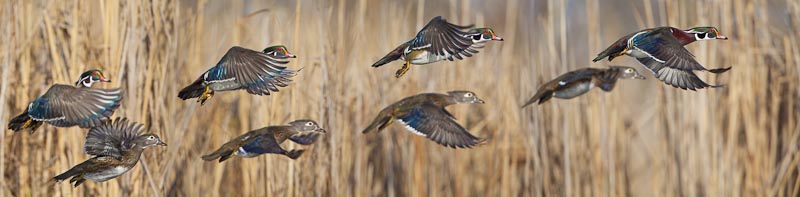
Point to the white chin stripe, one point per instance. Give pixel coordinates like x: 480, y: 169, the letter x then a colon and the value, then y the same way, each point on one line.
x: 411, y: 129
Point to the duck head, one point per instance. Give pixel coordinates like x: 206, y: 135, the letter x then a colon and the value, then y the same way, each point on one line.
x: 705, y: 33
x: 461, y: 96
x: 481, y: 35
x: 306, y: 125
x: 90, y: 77
x: 148, y: 140
x: 627, y: 72
x: 279, y: 51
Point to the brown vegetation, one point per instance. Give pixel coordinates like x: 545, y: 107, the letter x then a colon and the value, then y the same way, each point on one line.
x: 643, y: 138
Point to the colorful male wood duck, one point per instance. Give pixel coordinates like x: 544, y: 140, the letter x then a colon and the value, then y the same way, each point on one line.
x: 578, y: 82
x: 437, y: 41
x: 268, y: 140
x: 116, y: 146
x: 661, y: 51
x: 67, y: 106
x: 482, y: 35
x: 257, y: 72
x: 424, y: 115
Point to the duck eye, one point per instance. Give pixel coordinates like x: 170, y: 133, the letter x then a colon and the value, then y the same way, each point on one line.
x: 151, y: 138
x: 630, y: 70
x: 309, y: 124
x: 468, y: 95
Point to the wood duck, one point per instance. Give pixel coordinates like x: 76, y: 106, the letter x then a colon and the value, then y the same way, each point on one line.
x: 578, y: 82
x: 661, y: 51
x: 116, y: 146
x: 268, y: 140
x: 437, y: 41
x: 424, y: 115
x: 257, y: 72
x: 483, y: 35
x: 67, y: 105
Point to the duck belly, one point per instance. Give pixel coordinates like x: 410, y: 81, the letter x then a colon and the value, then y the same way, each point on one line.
x: 224, y: 86
x: 106, y: 174
x: 573, y: 91
x: 637, y: 53
x: 425, y: 57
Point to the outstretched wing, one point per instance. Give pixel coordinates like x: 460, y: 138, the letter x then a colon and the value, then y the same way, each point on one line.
x: 684, y: 79
x: 66, y: 106
x: 438, y: 125
x: 113, y: 138
x: 254, y: 71
x: 661, y: 46
x: 443, y: 39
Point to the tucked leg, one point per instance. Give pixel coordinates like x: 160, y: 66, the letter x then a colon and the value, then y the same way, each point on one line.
x: 403, y: 70
x: 207, y: 94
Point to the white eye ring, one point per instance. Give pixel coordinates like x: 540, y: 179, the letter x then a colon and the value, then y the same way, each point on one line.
x: 309, y: 124
x: 629, y: 70
x: 468, y: 95
x: 151, y: 137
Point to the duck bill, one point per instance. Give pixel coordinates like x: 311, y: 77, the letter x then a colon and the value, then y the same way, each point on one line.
x: 103, y: 79
x: 162, y: 144
x: 480, y: 101
x: 722, y: 37
x: 496, y: 38
x: 291, y: 55
x: 322, y: 130
x: 640, y: 77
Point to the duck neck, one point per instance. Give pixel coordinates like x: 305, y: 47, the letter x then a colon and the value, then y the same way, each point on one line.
x: 133, y: 155
x: 446, y: 100
x: 609, y: 75
x: 683, y: 37
x: 285, y: 133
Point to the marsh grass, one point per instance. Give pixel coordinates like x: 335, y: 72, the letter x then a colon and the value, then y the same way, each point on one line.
x: 643, y: 138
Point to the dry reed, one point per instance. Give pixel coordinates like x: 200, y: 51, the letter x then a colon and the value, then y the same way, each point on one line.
x: 643, y: 138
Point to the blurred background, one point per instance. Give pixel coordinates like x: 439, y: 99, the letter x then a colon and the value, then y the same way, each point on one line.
x: 641, y: 139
